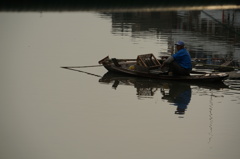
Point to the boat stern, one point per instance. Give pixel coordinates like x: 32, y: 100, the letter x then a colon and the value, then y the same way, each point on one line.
x: 104, y: 60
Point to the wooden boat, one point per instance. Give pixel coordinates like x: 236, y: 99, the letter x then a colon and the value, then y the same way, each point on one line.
x: 149, y: 67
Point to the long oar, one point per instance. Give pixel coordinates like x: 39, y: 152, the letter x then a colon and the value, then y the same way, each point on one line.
x: 68, y: 68
x: 82, y: 66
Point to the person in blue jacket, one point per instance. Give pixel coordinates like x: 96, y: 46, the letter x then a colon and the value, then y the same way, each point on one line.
x: 180, y: 62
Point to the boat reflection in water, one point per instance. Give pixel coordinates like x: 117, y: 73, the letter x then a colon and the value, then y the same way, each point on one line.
x: 176, y: 93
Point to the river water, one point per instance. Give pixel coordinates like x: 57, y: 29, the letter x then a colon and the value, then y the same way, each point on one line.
x: 48, y: 112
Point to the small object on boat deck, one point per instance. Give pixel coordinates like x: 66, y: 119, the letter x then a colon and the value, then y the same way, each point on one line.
x: 156, y: 71
x: 132, y: 67
x: 114, y: 60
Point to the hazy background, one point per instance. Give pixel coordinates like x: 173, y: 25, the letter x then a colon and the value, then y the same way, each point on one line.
x: 49, y: 112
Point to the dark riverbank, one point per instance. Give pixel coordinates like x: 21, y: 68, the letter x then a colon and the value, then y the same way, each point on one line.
x: 72, y: 5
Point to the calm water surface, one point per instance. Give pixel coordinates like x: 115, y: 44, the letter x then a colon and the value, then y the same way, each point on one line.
x: 48, y: 112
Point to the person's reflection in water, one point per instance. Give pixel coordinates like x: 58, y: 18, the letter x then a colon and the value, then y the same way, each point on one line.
x: 179, y: 94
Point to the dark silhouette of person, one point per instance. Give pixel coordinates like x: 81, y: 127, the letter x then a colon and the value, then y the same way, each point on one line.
x: 179, y: 95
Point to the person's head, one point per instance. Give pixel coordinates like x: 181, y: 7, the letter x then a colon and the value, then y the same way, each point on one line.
x: 179, y: 45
